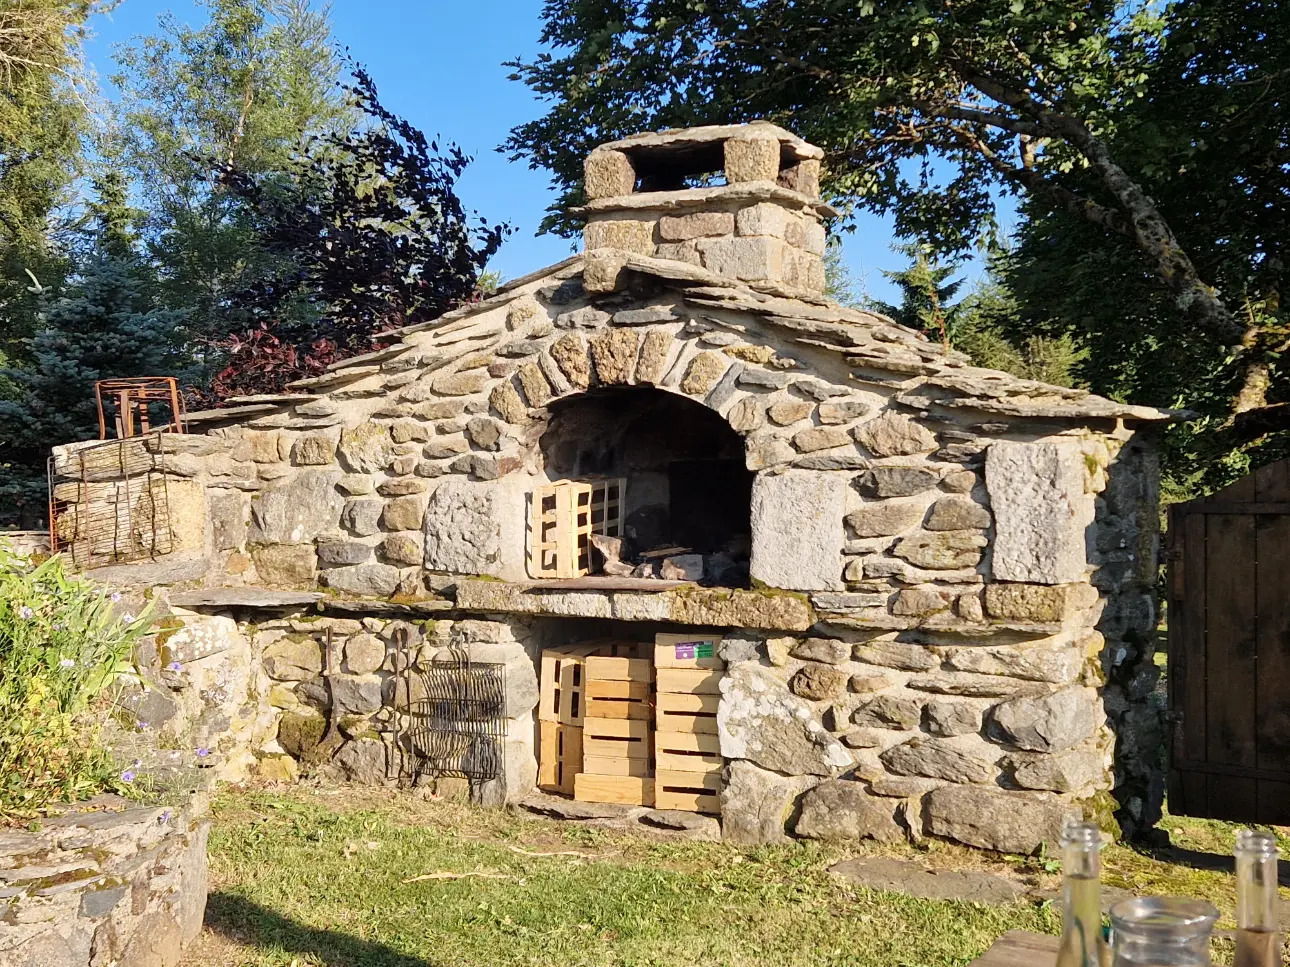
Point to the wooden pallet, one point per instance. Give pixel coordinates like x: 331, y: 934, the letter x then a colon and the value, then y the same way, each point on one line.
x: 563, y: 676
x: 687, y: 651
x: 618, y: 699
x: 562, y: 516
x: 560, y: 756
x: 686, y: 712
x: 686, y: 752
x: 629, y: 790
x: 616, y: 738
x: 695, y: 792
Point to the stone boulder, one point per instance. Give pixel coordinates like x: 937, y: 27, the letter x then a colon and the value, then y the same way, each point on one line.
x: 940, y: 759
x: 297, y: 511
x: 843, y: 810
x: 293, y: 659
x: 1010, y: 822
x: 797, y: 530
x: 759, y: 719
x: 756, y: 804
x: 462, y: 529
x: 362, y: 760
x: 1048, y: 723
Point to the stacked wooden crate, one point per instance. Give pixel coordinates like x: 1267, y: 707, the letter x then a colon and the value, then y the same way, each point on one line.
x: 687, y: 751
x: 616, y: 765
x: 561, y: 711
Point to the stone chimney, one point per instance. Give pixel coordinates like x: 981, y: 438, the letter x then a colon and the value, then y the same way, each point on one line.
x: 764, y: 224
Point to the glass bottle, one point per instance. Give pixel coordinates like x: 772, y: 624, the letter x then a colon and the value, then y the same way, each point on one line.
x: 1162, y: 932
x: 1257, y: 941
x: 1081, y: 944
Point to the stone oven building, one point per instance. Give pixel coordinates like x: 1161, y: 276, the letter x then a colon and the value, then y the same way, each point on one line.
x: 933, y: 583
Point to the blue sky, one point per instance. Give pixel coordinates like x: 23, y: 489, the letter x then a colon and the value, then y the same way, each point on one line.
x: 439, y: 64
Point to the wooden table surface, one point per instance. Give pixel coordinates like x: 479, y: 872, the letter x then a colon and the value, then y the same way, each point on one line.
x: 1017, y: 948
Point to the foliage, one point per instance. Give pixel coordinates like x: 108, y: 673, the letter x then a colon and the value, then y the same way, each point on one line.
x: 249, y: 88
x: 926, y: 291
x: 62, y: 646
x: 929, y: 111
x: 374, y: 236
x: 840, y: 285
x: 42, y: 119
x: 107, y: 323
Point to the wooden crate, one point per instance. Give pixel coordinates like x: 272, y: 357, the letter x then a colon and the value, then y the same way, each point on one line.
x: 685, y: 752
x: 686, y: 712
x: 561, y: 519
x: 607, y: 766
x: 559, y: 756
x: 562, y: 682
x: 618, y: 700
x: 629, y: 790
x: 694, y: 792
x: 693, y: 681
x: 687, y: 651
x: 563, y: 677
x: 616, y: 738
x: 602, y: 668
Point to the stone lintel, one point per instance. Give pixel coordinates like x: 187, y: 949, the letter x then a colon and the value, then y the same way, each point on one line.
x: 794, y: 148
x: 688, y: 604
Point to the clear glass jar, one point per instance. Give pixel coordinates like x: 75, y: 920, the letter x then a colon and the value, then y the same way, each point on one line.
x: 1162, y: 932
x: 1257, y: 941
x: 1081, y: 944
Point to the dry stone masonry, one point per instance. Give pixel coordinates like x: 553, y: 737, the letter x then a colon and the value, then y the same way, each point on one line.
x: 934, y: 581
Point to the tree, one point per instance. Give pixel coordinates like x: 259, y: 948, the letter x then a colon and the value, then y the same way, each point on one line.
x: 250, y: 88
x: 108, y: 323
x: 42, y: 120
x: 926, y: 292
x: 930, y: 110
x: 374, y: 237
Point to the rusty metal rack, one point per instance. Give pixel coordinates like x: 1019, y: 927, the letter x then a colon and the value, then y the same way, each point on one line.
x: 108, y: 502
x: 129, y: 403
x: 454, y: 721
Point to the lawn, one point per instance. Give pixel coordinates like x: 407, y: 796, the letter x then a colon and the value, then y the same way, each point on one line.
x: 321, y: 877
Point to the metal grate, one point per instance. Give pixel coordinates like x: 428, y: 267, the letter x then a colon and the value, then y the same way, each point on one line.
x: 454, y: 719
x: 108, y: 502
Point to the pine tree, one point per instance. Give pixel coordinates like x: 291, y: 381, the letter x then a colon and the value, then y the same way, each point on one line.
x: 927, y: 292
x: 106, y: 324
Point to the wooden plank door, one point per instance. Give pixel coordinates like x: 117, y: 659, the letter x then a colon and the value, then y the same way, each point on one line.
x: 1229, y: 651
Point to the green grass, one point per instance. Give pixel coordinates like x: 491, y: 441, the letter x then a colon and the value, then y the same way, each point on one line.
x: 298, y: 881
x: 317, y: 878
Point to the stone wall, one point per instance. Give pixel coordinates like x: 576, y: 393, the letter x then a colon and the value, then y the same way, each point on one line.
x: 110, y: 882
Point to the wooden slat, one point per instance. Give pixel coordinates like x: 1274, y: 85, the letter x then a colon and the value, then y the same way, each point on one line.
x: 1019, y: 948
x: 635, y: 691
x: 1272, y: 695
x: 616, y: 738
x: 619, y: 708
x: 559, y: 756
x: 686, y: 702
x: 687, y: 752
x: 1256, y: 507
x: 600, y: 765
x: 695, y: 681
x: 681, y: 722
x: 619, y: 669
x: 1187, y: 659
x: 1231, y: 659
x: 629, y: 790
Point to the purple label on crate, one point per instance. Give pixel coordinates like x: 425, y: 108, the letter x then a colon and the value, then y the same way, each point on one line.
x: 694, y: 649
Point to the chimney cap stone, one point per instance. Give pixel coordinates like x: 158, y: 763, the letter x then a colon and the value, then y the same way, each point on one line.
x: 701, y: 149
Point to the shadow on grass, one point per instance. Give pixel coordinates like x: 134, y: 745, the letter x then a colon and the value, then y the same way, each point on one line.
x: 1203, y: 860
x: 252, y: 925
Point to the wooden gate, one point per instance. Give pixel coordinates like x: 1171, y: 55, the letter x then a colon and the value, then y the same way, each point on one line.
x: 1229, y: 651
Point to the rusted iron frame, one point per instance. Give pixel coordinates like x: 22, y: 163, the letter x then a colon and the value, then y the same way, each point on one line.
x: 133, y: 391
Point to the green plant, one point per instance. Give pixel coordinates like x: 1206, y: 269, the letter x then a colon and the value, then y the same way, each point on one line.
x: 63, y: 646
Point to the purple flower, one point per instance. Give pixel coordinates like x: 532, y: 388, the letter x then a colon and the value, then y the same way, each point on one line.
x: 25, y: 613
x: 66, y: 663
x: 203, y: 753
x: 128, y: 618
x: 116, y: 597
x: 176, y: 666
x: 143, y: 727
x: 164, y: 817
x: 128, y: 775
